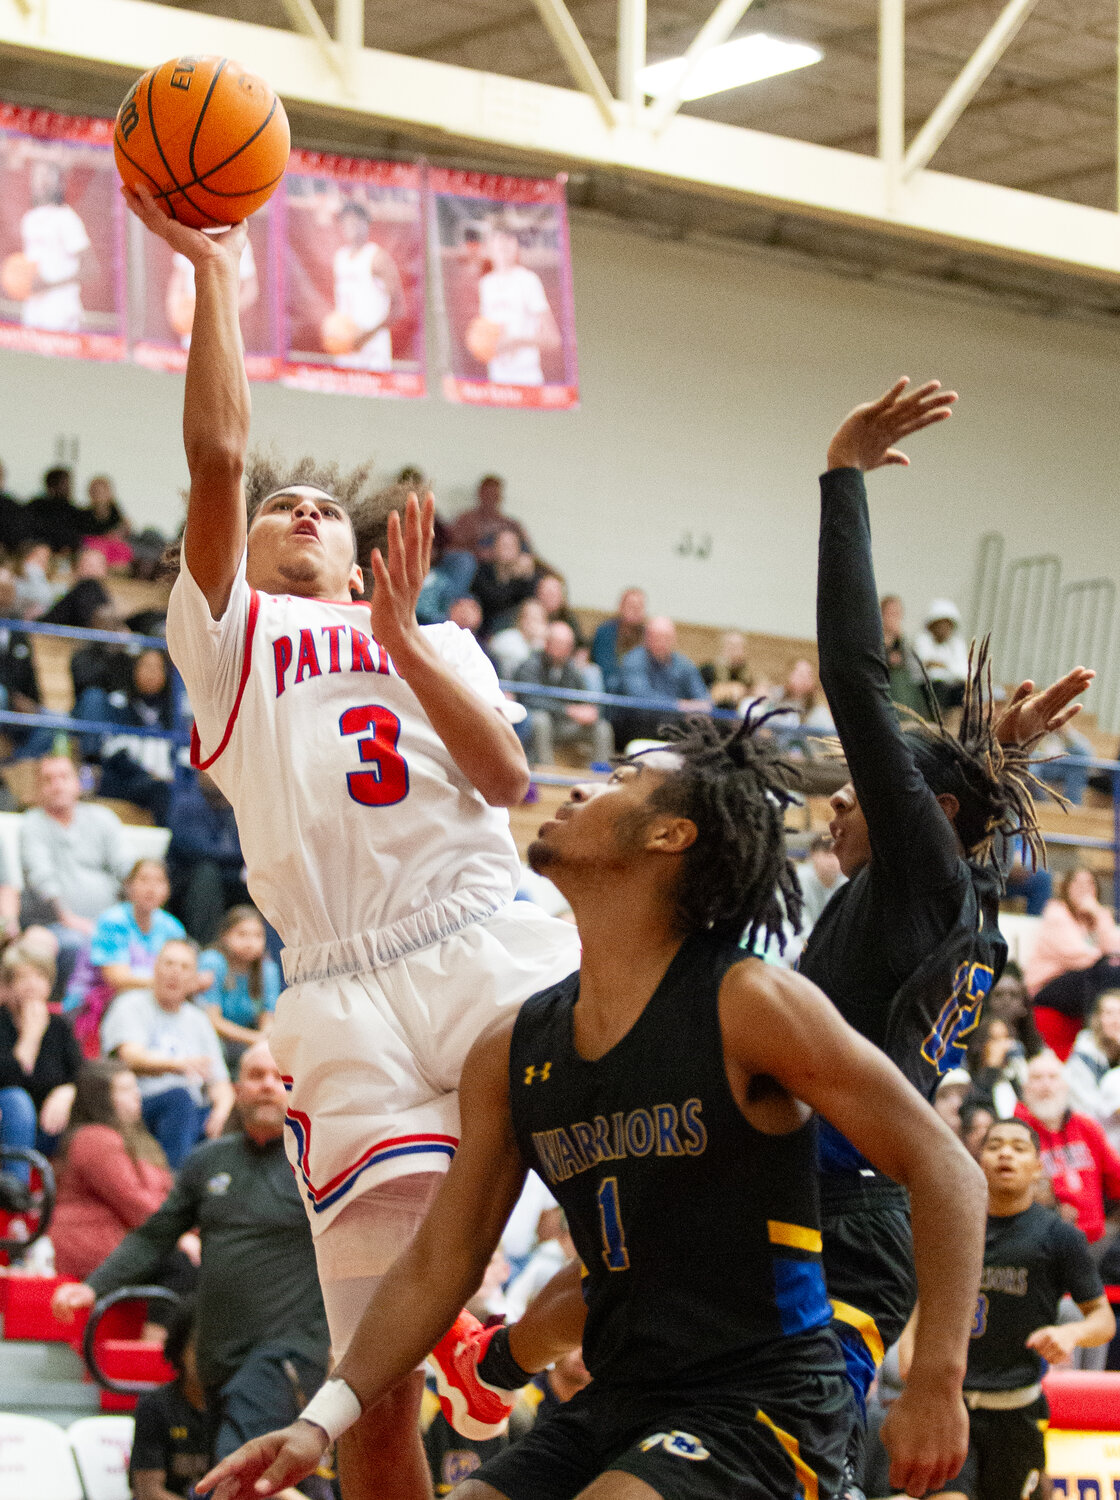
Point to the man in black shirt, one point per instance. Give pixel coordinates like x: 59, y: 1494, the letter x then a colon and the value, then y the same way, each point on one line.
x: 259, y: 1308
x: 1032, y: 1259
x: 715, y: 1371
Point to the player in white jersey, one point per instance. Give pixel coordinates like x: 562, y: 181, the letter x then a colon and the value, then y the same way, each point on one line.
x: 54, y: 239
x: 369, y: 761
x: 367, y: 290
x: 513, y: 297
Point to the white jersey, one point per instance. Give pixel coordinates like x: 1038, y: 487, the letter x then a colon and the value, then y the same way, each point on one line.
x: 54, y: 237
x: 515, y: 300
x: 362, y: 838
x: 362, y: 295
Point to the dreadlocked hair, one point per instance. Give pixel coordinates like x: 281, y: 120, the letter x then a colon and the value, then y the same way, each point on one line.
x: 368, y: 508
x: 736, y: 879
x: 993, y: 783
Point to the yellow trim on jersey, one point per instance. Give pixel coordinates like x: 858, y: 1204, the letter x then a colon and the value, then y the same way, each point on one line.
x: 796, y: 1236
x: 806, y: 1475
x: 864, y: 1324
x: 429, y: 1409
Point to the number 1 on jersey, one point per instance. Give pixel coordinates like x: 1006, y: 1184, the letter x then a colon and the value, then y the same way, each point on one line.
x: 387, y: 781
x: 615, y: 1253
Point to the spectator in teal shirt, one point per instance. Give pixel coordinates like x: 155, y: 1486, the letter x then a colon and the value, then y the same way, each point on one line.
x: 246, y: 982
x: 123, y: 949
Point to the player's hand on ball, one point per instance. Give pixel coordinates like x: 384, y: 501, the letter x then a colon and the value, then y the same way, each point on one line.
x: 867, y: 436
x: 268, y: 1464
x: 399, y: 577
x: 925, y: 1432
x: 226, y: 245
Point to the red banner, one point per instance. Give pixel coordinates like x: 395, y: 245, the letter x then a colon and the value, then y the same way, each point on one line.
x: 354, y: 236
x: 161, y: 294
x: 62, y: 271
x: 503, y: 290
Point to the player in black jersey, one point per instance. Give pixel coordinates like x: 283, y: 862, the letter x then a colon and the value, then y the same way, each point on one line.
x: 910, y: 945
x: 1032, y: 1258
x: 658, y: 1092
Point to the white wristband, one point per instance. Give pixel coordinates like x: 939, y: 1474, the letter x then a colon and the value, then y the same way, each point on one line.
x: 334, y: 1408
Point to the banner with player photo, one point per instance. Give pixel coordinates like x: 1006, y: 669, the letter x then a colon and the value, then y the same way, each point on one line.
x: 502, y: 289
x: 354, y: 302
x: 161, y: 298
x: 62, y: 267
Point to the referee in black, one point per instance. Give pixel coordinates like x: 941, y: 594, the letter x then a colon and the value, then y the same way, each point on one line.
x: 1032, y: 1258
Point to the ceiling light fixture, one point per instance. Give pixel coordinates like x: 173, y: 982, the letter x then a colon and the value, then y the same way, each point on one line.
x: 745, y: 60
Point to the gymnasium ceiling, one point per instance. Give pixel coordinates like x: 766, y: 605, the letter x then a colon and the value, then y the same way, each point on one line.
x: 1045, y: 121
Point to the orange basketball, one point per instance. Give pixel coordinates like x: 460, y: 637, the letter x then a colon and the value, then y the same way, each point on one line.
x: 17, y: 277
x: 209, y: 140
x: 339, y: 333
x: 482, y: 339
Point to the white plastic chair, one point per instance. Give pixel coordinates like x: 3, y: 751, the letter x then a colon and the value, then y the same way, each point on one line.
x: 36, y: 1460
x: 102, y: 1447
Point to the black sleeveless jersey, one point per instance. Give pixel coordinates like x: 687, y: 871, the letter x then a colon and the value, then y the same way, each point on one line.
x: 699, y: 1235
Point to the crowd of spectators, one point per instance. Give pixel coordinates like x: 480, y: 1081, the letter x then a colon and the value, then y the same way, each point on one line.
x: 135, y: 993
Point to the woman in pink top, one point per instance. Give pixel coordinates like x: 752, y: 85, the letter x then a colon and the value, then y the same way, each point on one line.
x: 111, y: 1175
x: 1077, y: 955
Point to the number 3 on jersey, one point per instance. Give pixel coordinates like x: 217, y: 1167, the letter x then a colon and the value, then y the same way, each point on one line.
x: 615, y: 1252
x: 386, y: 782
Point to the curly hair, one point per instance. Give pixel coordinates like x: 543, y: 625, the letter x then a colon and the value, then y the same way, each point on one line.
x: 993, y: 783
x: 736, y: 879
x: 367, y: 507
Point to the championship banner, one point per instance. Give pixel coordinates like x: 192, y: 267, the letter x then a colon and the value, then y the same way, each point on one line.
x: 161, y: 298
x: 62, y: 272
x: 503, y: 289
x: 354, y: 301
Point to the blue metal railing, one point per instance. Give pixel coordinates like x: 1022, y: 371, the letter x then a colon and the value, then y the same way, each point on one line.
x: 794, y: 737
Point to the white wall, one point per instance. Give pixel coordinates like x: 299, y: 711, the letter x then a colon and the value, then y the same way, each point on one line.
x: 711, y: 381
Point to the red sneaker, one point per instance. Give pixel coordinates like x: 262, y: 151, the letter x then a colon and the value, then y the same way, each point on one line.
x: 474, y: 1409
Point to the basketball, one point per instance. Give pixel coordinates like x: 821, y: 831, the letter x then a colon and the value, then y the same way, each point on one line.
x: 208, y: 139
x: 339, y: 333
x: 17, y: 277
x: 482, y: 339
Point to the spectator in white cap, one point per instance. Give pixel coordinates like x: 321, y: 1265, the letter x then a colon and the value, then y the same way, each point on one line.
x: 943, y: 651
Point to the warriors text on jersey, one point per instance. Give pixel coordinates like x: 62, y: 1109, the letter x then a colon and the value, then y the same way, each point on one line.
x: 357, y: 826
x: 699, y: 1234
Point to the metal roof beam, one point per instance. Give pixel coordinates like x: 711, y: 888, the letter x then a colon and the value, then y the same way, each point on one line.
x: 714, y: 32
x: 576, y: 54
x: 966, y: 85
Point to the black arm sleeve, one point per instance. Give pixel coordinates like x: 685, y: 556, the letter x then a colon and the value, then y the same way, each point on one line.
x: 908, y: 831
x: 138, y: 1256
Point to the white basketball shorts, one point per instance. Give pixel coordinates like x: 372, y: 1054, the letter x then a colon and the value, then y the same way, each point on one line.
x: 372, y: 1060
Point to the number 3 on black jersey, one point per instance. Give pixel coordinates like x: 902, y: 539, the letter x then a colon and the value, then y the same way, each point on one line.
x: 615, y: 1252
x: 386, y: 782
x: 979, y: 1318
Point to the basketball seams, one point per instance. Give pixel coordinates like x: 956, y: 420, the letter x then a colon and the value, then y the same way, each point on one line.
x: 218, y: 71
x: 166, y: 195
x: 200, y: 180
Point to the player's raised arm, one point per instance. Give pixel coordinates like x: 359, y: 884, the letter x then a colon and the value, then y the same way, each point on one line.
x: 216, y: 405
x: 779, y: 1025
x: 420, y: 1295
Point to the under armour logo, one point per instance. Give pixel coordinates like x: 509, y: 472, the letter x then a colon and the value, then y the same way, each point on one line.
x: 532, y: 1073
